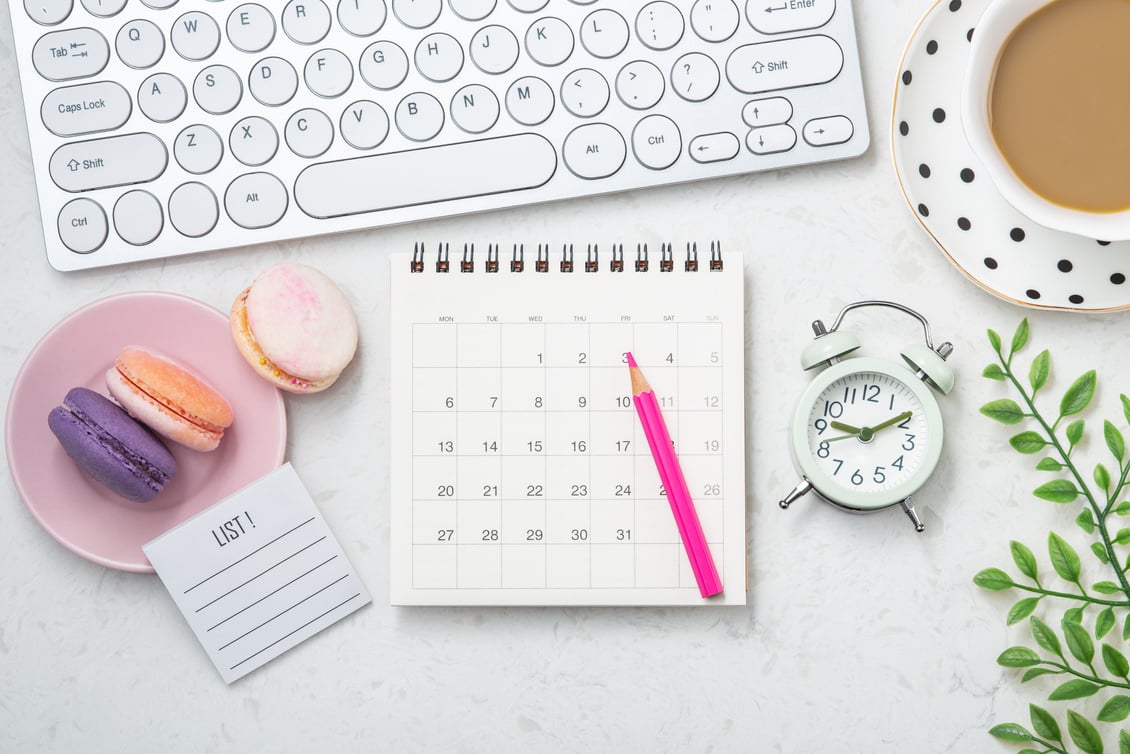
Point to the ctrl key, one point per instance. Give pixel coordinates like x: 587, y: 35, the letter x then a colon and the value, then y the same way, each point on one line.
x: 83, y: 226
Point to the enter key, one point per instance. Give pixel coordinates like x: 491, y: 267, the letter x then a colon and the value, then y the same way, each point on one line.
x: 780, y: 16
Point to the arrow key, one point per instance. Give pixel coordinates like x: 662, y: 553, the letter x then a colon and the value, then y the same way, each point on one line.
x: 823, y: 132
x: 714, y: 147
x: 771, y: 139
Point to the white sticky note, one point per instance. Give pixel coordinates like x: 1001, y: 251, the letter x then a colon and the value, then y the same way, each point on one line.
x: 257, y: 573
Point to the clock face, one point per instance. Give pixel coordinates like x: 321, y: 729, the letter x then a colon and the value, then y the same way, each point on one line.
x: 869, y: 435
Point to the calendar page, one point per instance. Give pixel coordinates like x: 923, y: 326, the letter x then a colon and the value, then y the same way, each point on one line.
x: 520, y: 472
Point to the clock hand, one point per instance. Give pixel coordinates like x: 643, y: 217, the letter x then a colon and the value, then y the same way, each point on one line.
x: 891, y: 422
x: 844, y: 428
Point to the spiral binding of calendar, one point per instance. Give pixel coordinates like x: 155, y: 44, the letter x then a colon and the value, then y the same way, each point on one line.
x: 542, y: 262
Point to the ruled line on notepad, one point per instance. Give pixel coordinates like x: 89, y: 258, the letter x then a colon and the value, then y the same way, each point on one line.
x: 269, y: 594
x: 284, y: 612
x: 292, y: 633
x: 264, y: 571
x: 248, y: 555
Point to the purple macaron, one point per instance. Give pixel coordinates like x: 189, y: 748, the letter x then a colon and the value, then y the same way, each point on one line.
x: 111, y: 446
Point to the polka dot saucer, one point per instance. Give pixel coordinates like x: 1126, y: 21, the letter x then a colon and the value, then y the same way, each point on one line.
x: 954, y: 198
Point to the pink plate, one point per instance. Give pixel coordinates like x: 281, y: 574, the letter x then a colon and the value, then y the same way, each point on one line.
x: 82, y: 515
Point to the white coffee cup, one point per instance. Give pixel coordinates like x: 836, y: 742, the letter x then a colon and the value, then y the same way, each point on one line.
x: 989, y: 37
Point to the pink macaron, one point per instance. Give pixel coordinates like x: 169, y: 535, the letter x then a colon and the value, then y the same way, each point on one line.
x: 295, y: 328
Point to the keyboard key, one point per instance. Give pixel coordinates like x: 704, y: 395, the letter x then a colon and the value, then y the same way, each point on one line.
x: 823, y: 132
x: 715, y: 20
x: 253, y: 141
x: 138, y: 217
x: 417, y: 14
x: 329, y: 73
x: 217, y: 89
x: 494, y: 49
x: 472, y: 10
x: 714, y: 147
x: 784, y: 64
x: 306, y: 21
x: 767, y: 112
x: 549, y: 41
x: 809, y: 14
x: 193, y: 209
x: 273, y: 81
x: 256, y: 200
x: 159, y: 4
x: 195, y: 35
x: 639, y: 85
x: 659, y: 25
x: 596, y: 150
x: 86, y: 108
x: 48, y: 12
x: 604, y: 33
x: 104, y: 8
x: 198, y: 149
x: 70, y: 54
x: 439, y: 57
x: 364, y: 124
x: 309, y: 133
x: 656, y: 142
x: 474, y: 108
x: 528, y: 6
x: 694, y: 77
x: 140, y: 44
x: 108, y: 162
x: 251, y: 27
x: 529, y: 100
x: 82, y: 226
x: 584, y: 93
x: 419, y: 116
x: 162, y: 97
x: 384, y: 65
x: 431, y: 174
x: 361, y: 18
x: 771, y: 139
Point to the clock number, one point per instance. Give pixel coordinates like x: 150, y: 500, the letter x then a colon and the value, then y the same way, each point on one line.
x: 897, y: 463
x: 909, y: 444
x: 856, y: 478
x: 892, y: 403
x: 824, y: 450
x: 834, y: 409
x: 839, y: 465
x: 820, y: 425
x: 905, y: 424
x: 445, y: 535
x: 850, y: 393
x: 871, y: 393
x: 879, y: 477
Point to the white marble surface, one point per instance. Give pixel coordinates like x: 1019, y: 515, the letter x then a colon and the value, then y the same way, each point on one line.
x: 860, y: 636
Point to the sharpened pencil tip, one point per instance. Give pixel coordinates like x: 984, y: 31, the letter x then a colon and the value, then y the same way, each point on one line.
x: 631, y: 360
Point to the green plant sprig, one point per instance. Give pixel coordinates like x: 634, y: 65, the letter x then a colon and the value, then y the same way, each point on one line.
x: 1073, y: 657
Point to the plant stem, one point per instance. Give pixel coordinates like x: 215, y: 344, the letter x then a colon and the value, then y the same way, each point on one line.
x: 1069, y: 596
x: 1091, y: 678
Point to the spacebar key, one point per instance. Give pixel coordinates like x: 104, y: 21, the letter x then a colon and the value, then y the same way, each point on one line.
x: 422, y: 176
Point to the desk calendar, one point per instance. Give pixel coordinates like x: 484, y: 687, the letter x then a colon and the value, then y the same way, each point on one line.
x: 520, y: 474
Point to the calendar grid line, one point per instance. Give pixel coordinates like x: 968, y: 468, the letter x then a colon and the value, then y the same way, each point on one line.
x: 545, y: 468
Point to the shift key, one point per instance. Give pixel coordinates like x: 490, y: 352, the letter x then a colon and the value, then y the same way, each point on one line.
x: 113, y: 161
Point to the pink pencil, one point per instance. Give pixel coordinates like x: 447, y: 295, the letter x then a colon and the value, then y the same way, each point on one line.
x: 671, y: 475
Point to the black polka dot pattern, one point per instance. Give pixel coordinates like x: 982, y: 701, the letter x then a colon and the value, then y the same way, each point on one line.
x: 963, y: 223
x: 906, y: 78
x: 931, y: 47
x: 967, y: 175
x: 1118, y: 278
x: 1075, y: 298
x: 904, y: 128
x: 923, y: 210
x: 990, y: 263
x: 1033, y: 294
x: 1064, y: 265
x: 1017, y: 234
x: 955, y: 6
x: 924, y: 170
x: 939, y: 115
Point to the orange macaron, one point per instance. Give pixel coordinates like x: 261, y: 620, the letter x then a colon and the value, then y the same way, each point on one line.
x: 169, y: 398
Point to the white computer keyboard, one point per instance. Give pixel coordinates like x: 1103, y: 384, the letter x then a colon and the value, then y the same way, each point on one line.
x: 160, y: 127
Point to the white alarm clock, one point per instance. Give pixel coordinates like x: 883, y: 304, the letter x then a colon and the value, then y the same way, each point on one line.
x: 867, y: 432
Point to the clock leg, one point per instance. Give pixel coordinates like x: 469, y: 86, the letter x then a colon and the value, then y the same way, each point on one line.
x: 799, y: 491
x: 909, y: 508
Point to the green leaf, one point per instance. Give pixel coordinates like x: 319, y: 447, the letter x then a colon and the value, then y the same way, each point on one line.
x: 1126, y: 629
x: 1022, y: 610
x: 1123, y: 742
x: 1044, y: 724
x: 1011, y: 732
x: 1115, y: 661
x: 1102, y: 477
x: 1122, y: 536
x: 1085, y: 521
x: 1114, y: 440
x: 1027, y: 442
x: 1073, y: 615
x: 993, y: 579
x: 1123, y: 508
x: 1063, y: 557
x: 1057, y: 491
x: 1105, y: 622
x: 1018, y: 657
x: 1073, y: 689
x: 1078, y: 395
x: 1116, y: 709
x: 1075, y: 432
x: 994, y: 340
x: 1049, y: 464
x: 1079, y: 642
x: 1005, y: 411
x: 1125, y: 406
x: 994, y: 372
x: 1038, y: 373
x: 1083, y: 733
x: 1020, y: 337
x: 1045, y: 637
x: 1037, y: 672
x: 1100, y: 552
x: 1106, y: 587
x: 1024, y: 559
